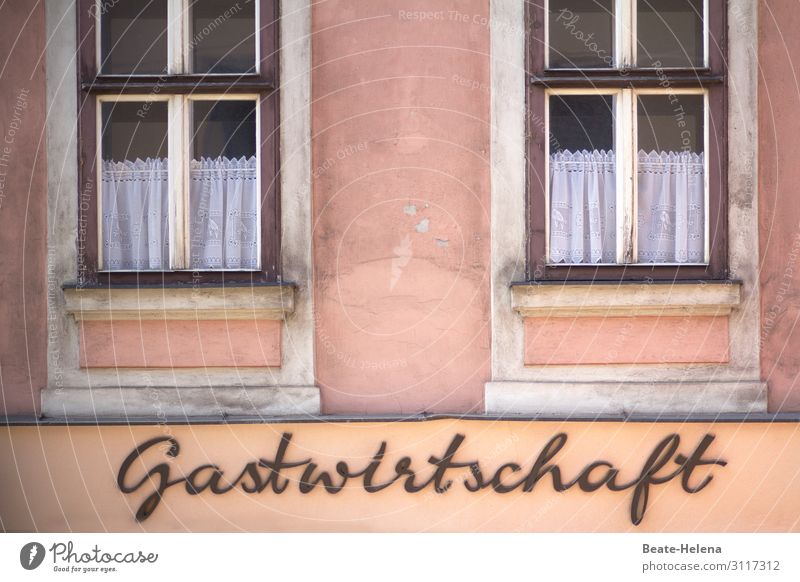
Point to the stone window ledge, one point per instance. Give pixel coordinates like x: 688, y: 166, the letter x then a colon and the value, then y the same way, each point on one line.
x: 159, y: 402
x: 599, y: 398
x: 593, y: 299
x: 182, y: 303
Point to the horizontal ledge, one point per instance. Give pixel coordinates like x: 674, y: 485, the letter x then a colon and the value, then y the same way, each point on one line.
x: 625, y: 299
x: 153, y: 85
x: 178, y: 285
x: 180, y: 303
x: 161, y: 402
x: 615, y: 81
x: 627, y: 71
x: 625, y: 398
x: 150, y: 420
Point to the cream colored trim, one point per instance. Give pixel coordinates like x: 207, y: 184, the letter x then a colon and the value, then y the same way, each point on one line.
x: 70, y: 385
x: 590, y: 398
x: 609, y: 299
x: 509, y: 212
x: 264, y: 302
x: 163, y: 402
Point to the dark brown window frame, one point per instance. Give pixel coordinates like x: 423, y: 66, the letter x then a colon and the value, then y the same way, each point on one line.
x: 265, y: 83
x: 539, y: 79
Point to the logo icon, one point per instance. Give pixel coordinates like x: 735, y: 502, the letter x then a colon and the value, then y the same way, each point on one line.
x: 31, y: 555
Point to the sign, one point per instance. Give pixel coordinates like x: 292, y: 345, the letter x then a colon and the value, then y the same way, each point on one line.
x: 436, y: 475
x: 284, y: 468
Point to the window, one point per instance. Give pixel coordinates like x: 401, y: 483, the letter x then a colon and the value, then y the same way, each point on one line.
x: 178, y: 141
x: 626, y: 148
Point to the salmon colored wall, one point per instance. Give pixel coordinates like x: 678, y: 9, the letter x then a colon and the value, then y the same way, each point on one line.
x: 23, y: 207
x: 180, y: 344
x: 400, y: 125
x: 779, y: 200
x: 626, y: 340
x: 64, y: 478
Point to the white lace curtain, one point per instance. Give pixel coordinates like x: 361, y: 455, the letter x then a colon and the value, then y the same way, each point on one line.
x: 671, y: 220
x: 583, y: 207
x: 135, y: 210
x: 223, y: 199
x: 583, y: 201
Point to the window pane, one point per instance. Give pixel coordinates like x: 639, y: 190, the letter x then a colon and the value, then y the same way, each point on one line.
x: 581, y: 33
x: 223, y: 36
x: 671, y: 179
x: 135, y: 186
x: 223, y: 186
x: 582, y: 179
x: 133, y: 37
x: 670, y: 33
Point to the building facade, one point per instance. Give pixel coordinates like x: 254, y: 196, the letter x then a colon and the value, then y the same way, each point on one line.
x: 399, y: 265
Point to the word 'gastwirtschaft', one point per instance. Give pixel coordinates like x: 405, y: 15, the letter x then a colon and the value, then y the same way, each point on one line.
x: 282, y: 471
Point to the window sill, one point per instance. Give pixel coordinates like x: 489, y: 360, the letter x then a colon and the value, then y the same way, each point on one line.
x: 180, y: 402
x: 625, y: 398
x: 181, y: 303
x: 592, y: 299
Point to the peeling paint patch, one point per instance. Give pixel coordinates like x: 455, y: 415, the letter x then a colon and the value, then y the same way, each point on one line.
x: 423, y: 225
x: 411, y: 209
x: 442, y: 242
x: 402, y: 256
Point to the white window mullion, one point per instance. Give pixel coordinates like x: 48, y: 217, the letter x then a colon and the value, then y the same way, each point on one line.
x: 99, y: 173
x: 177, y: 179
x: 175, y: 34
x: 626, y: 33
x: 706, y: 177
x: 633, y: 169
x: 625, y: 181
x: 258, y: 182
x: 187, y: 38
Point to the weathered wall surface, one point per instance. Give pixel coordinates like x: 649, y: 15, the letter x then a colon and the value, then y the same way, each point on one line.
x: 181, y: 344
x: 779, y: 200
x: 626, y: 340
x: 23, y: 207
x: 400, y: 126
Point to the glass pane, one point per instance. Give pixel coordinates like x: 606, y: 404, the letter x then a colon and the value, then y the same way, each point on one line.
x: 223, y: 186
x: 583, y: 181
x: 135, y: 186
x: 669, y: 33
x: 671, y: 179
x: 133, y: 37
x: 581, y: 34
x: 223, y: 38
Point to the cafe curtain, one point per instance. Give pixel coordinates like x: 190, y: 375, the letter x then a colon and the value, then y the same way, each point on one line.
x: 223, y: 198
x: 583, y: 207
x: 135, y: 208
x: 671, y: 207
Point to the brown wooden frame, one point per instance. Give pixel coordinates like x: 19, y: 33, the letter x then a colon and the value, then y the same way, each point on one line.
x: 540, y: 79
x: 91, y: 84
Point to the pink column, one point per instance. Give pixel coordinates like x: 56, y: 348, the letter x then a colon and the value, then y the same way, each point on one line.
x: 401, y: 205
x: 779, y: 207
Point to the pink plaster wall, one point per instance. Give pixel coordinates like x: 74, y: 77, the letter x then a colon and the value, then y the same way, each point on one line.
x: 779, y: 200
x: 626, y: 340
x: 401, y: 224
x: 23, y: 208
x: 180, y: 344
